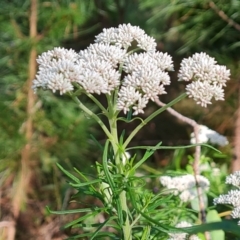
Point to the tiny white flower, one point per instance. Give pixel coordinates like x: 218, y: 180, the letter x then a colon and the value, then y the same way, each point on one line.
x: 221, y: 75
x: 236, y: 212
x: 106, y: 53
x: 125, y: 157
x: 209, y: 135
x: 162, y: 60
x: 58, y: 82
x: 141, y: 103
x: 200, y: 92
x: 127, y: 97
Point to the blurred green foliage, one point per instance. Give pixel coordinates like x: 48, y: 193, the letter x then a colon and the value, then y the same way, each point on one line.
x: 61, y: 131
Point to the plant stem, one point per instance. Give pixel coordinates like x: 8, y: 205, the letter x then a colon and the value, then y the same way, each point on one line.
x: 127, y: 230
x: 93, y: 115
x: 97, y: 102
x: 113, y: 138
x: 153, y: 115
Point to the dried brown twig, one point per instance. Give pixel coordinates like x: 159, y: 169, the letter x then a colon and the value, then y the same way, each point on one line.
x: 224, y: 16
x: 197, y: 156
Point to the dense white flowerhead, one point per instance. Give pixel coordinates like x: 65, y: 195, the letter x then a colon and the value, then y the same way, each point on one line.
x: 208, y: 78
x: 234, y: 179
x: 107, y: 66
x: 185, y: 186
x: 206, y: 134
x: 182, y: 236
x: 113, y: 64
x: 57, y: 70
x: 125, y: 35
x: 144, y: 80
x: 233, y: 196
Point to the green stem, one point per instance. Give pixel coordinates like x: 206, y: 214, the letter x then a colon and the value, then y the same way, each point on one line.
x: 97, y: 102
x: 153, y: 115
x: 93, y: 115
x: 81, y: 90
x: 127, y: 229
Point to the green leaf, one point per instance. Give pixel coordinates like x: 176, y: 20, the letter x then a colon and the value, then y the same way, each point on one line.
x: 157, y: 147
x: 130, y: 120
x: 100, y: 234
x: 81, y: 219
x: 69, y: 211
x: 146, y: 233
x: 147, y: 154
x: 85, y: 184
x: 129, y: 114
x: 225, y: 225
x: 213, y: 216
x: 96, y: 142
x: 105, y: 166
x: 100, y: 227
x: 75, y: 179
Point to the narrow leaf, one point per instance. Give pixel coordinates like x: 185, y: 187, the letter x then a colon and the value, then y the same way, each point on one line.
x: 69, y: 211
x: 75, y: 179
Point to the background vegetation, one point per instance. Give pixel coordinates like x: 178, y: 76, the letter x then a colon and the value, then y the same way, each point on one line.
x: 39, y: 130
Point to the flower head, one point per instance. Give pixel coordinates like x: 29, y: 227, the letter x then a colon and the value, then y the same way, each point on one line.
x: 145, y: 78
x: 185, y: 186
x: 233, y: 196
x: 125, y: 35
x: 208, y: 78
x: 208, y: 135
x: 182, y: 236
x: 57, y: 70
x: 106, y: 66
x: 234, y: 179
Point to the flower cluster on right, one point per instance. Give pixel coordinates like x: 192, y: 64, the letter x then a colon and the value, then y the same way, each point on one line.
x: 208, y: 78
x: 233, y: 196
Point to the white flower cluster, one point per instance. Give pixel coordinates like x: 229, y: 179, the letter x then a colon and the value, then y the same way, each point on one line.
x: 57, y: 70
x: 208, y: 78
x: 233, y: 196
x: 145, y: 79
x: 124, y: 35
x: 99, y: 68
x: 208, y: 135
x: 234, y: 179
x: 185, y: 186
x: 183, y: 236
x: 111, y: 63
